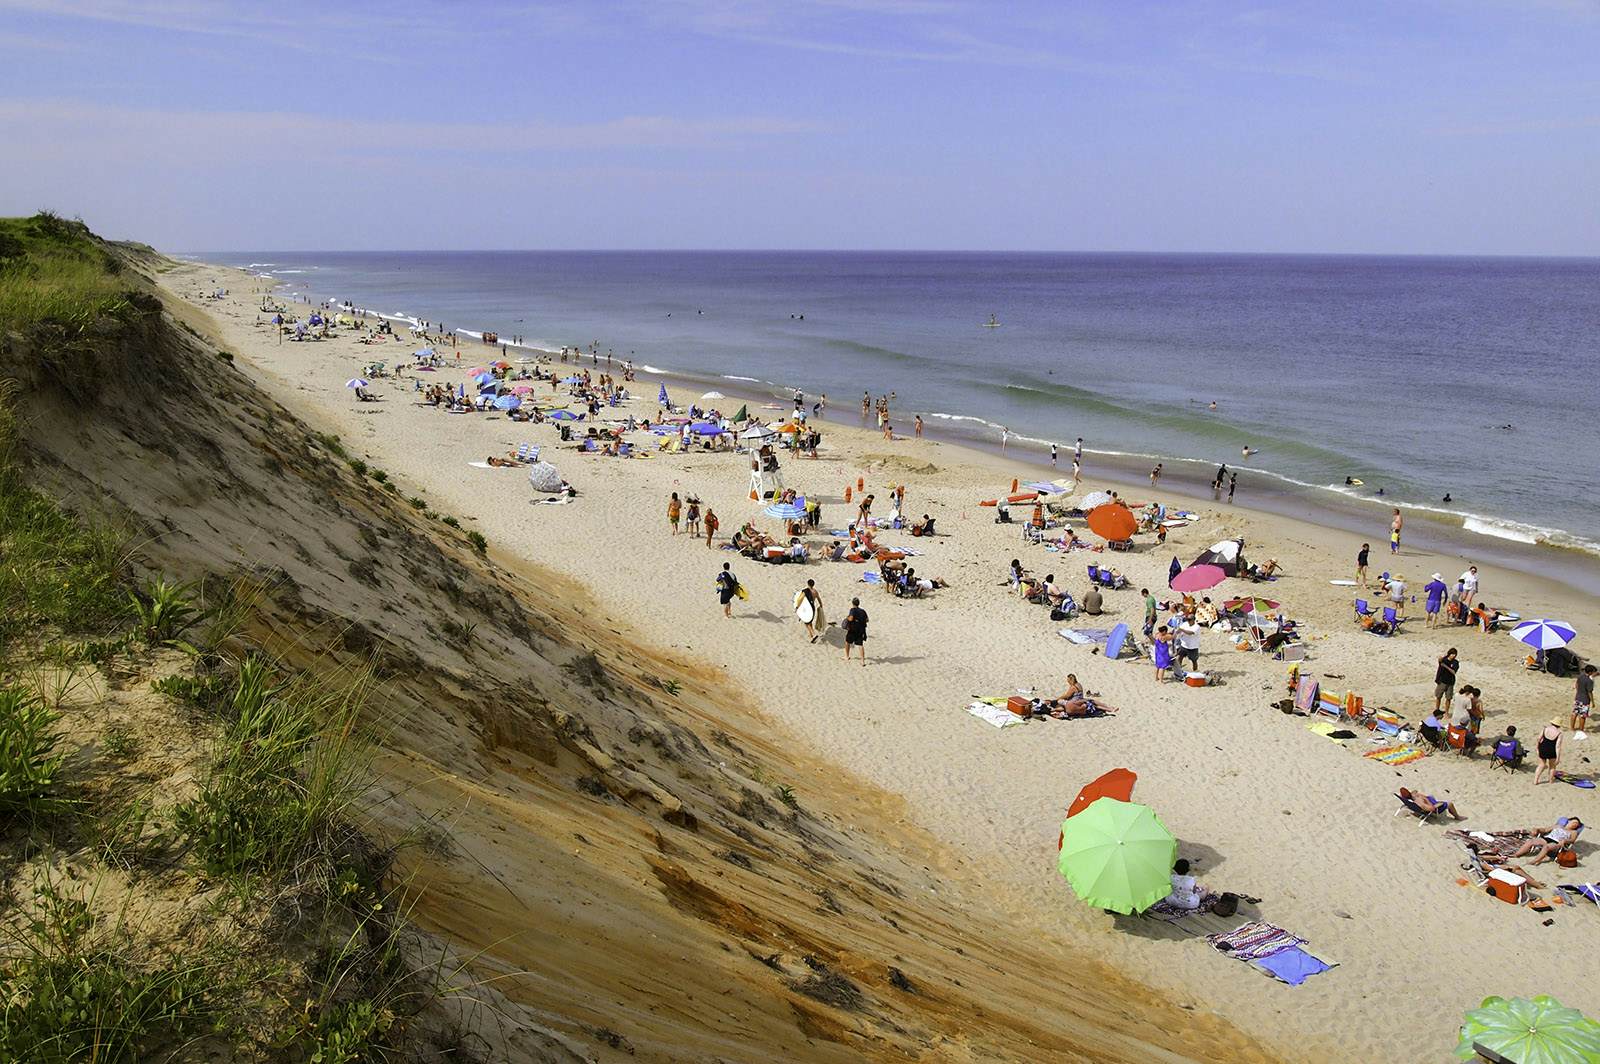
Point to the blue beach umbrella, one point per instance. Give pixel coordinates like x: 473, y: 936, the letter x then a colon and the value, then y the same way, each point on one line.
x: 1544, y: 634
x: 357, y: 382
x: 662, y: 397
x: 508, y: 402
x: 461, y: 391
x: 563, y: 415
x: 484, y: 378
x: 785, y: 511
x: 426, y: 352
x: 706, y: 428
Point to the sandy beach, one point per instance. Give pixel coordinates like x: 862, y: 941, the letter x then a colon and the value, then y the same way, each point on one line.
x: 1260, y: 803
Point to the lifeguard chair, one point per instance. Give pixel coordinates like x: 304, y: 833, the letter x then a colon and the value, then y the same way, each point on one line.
x: 766, y: 479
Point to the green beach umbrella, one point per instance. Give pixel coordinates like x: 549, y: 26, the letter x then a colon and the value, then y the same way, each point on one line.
x: 1540, y: 1031
x: 742, y: 415
x: 1118, y: 856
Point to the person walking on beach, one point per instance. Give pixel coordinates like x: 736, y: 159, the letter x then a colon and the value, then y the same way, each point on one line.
x: 1436, y: 590
x: 918, y: 426
x: 1149, y: 611
x: 1394, y: 531
x: 1155, y: 475
x: 727, y: 587
x: 1077, y: 472
x: 1233, y: 482
x: 691, y: 519
x: 855, y: 630
x: 711, y: 525
x: 808, y: 608
x: 1552, y: 740
x: 1361, y: 563
x: 674, y: 510
x: 1052, y: 456
x: 1161, y: 652
x: 1583, y: 699
x: 1077, y: 451
x: 1444, y: 679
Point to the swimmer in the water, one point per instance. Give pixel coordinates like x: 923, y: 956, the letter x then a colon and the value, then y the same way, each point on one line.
x: 1248, y: 452
x: 1380, y: 491
x: 1213, y: 404
x: 1447, y: 496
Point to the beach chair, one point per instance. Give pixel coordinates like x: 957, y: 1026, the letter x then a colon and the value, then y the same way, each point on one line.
x: 522, y: 453
x: 1393, y: 619
x: 1456, y: 739
x: 1094, y: 574
x: 1507, y: 754
x: 1363, y: 610
x: 1409, y: 804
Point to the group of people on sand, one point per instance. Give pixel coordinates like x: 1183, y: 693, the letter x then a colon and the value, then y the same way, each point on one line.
x: 688, y: 513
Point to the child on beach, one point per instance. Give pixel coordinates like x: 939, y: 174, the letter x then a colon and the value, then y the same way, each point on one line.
x: 674, y: 509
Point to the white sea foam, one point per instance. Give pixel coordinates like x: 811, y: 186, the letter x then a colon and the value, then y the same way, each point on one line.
x: 734, y: 377
x: 646, y: 367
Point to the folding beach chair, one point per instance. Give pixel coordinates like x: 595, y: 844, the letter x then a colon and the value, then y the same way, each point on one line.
x: 1507, y: 754
x: 1363, y: 611
x: 1409, y: 804
x: 522, y: 453
x: 1393, y: 619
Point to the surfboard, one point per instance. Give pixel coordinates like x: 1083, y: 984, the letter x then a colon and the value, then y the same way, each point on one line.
x: 805, y: 611
x: 1342, y: 583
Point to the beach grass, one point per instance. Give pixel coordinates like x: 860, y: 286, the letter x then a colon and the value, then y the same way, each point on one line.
x: 52, y: 270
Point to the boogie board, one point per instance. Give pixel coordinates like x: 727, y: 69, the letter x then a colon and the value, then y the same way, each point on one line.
x: 805, y: 612
x: 1342, y: 583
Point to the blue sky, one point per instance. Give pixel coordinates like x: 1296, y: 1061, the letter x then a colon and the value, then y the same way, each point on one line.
x: 1427, y: 126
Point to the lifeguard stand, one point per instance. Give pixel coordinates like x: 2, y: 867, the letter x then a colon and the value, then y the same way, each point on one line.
x: 766, y: 479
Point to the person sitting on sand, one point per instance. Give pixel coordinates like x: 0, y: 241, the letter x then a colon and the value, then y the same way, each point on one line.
x: 925, y: 584
x: 1075, y: 702
x: 1016, y: 574
x: 1551, y: 840
x: 923, y: 527
x: 1032, y: 590
x: 1429, y: 804
x: 1093, y: 602
x: 1205, y: 614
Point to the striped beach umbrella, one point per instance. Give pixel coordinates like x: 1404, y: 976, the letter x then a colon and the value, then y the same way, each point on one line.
x: 357, y: 382
x: 785, y: 511
x: 1544, y: 634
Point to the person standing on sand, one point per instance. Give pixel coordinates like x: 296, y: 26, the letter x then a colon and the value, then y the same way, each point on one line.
x: 1361, y: 563
x: 1077, y: 472
x: 1469, y: 585
x: 809, y: 595
x: 691, y: 519
x: 1161, y: 651
x: 1551, y: 742
x: 855, y: 630
x: 1444, y: 679
x: 711, y: 525
x: 1394, y: 531
x: 1233, y: 482
x: 1149, y: 611
x: 918, y: 424
x: 727, y: 587
x: 1583, y: 699
x: 1436, y: 590
x: 1052, y: 456
x: 674, y: 510
x: 1155, y: 475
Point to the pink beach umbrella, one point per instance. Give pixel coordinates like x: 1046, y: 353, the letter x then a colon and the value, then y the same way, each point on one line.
x: 522, y: 389
x: 1198, y: 578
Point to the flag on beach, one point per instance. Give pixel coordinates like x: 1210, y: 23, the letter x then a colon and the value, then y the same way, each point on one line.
x: 742, y: 415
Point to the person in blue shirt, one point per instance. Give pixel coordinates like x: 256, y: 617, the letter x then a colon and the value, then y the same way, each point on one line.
x: 1436, y: 590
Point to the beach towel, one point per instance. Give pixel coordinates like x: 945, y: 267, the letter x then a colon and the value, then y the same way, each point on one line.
x: 1491, y: 847
x: 1326, y: 729
x: 1305, y: 696
x: 1085, y: 636
x: 999, y: 716
x: 870, y: 577
x: 1293, y: 965
x: 1581, y: 891
x: 1396, y: 755
x: 1254, y: 940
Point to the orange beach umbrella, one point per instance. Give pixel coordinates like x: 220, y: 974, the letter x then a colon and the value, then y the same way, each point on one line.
x: 1113, y: 521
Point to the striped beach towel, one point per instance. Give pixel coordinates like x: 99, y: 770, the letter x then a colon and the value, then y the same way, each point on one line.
x: 1396, y: 755
x: 1254, y: 940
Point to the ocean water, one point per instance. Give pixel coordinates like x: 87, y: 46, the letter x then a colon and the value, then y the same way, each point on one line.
x: 1422, y: 376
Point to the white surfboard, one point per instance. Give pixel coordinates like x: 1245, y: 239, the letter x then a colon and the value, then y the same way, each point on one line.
x: 805, y: 611
x: 1342, y: 583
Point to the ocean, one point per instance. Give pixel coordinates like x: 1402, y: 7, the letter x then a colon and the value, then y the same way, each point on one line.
x: 1419, y: 376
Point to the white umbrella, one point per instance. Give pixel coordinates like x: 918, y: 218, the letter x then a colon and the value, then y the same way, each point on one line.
x: 357, y: 382
x: 713, y: 395
x: 757, y: 432
x: 1544, y: 634
x: 1094, y: 499
x: 544, y: 478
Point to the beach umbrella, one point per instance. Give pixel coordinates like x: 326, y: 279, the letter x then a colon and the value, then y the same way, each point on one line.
x: 522, y: 389
x: 563, y: 415
x: 1117, y: 855
x: 1544, y: 634
x: 502, y: 364
x: 1095, y: 499
x: 789, y: 428
x: 357, y: 382
x: 482, y: 378
x: 1198, y: 578
x: 713, y: 395
x: 508, y: 402
x: 1118, y: 784
x: 1523, y: 1031
x: 1251, y: 604
x: 1174, y: 569
x: 571, y: 380
x: 786, y: 511
x: 543, y: 477
x: 476, y: 371
x: 661, y: 397
x: 706, y: 428
x: 1112, y: 521
x: 742, y: 415
x: 757, y: 432
x: 422, y: 352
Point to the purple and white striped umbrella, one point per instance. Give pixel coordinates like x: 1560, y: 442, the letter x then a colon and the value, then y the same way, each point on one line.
x: 1544, y: 634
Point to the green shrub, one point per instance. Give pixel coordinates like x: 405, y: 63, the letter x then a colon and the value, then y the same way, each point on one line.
x: 479, y: 544
x: 359, y: 466
x: 451, y: 521
x: 202, y: 692
x: 29, y: 764
x: 76, y: 994
x: 418, y: 502
x: 165, y: 610
x: 331, y: 442
x: 379, y: 475
x: 53, y: 271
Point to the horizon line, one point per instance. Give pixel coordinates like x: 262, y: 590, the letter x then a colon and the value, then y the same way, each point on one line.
x: 1595, y: 256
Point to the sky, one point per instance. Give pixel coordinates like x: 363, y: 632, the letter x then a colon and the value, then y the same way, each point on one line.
x: 1420, y: 126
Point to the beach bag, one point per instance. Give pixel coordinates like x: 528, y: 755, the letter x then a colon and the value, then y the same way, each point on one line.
x: 1567, y: 859
x: 1058, y: 614
x: 1226, y: 905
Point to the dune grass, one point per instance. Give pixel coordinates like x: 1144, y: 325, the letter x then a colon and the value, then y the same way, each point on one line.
x: 53, y: 270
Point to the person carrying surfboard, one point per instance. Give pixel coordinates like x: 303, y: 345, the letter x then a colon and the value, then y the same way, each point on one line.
x: 808, y: 609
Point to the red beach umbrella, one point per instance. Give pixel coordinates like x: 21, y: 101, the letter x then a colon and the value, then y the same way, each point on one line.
x: 1118, y: 784
x: 1113, y: 521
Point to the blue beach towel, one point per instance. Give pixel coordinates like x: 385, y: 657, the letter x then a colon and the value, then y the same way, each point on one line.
x: 1293, y: 965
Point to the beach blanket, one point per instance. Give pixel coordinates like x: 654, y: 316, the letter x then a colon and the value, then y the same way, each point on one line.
x: 1331, y: 731
x: 870, y: 577
x: 1490, y: 847
x: 1396, y: 755
x: 999, y: 716
x: 1254, y: 940
x: 1305, y: 696
x: 1084, y: 637
x: 1293, y: 965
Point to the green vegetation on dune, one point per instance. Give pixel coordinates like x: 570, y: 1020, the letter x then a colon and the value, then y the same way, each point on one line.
x: 55, y: 270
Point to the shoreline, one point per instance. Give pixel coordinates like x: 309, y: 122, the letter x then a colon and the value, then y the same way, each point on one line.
x: 1262, y: 804
x: 1499, y: 540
